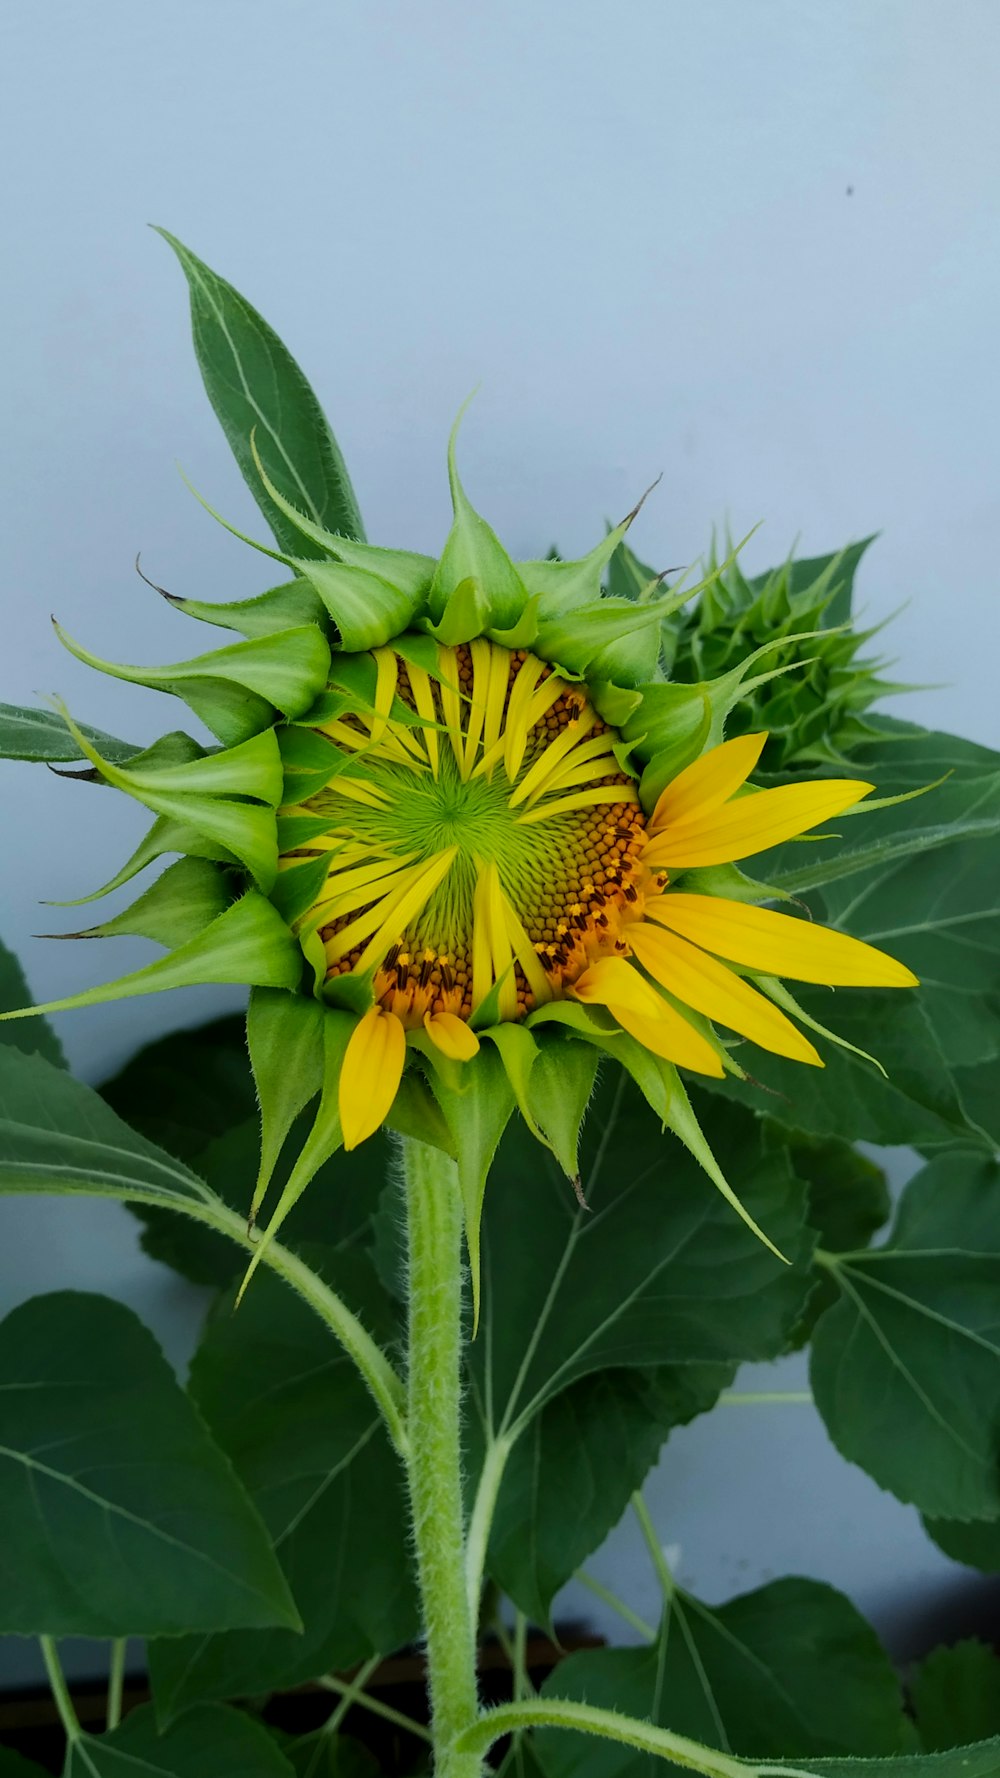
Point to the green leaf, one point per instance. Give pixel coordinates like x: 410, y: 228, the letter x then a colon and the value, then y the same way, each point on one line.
x: 848, y: 1202
x: 906, y: 1367
x: 660, y: 1264
x: 571, y: 1474
x: 184, y: 1089
x: 976, y: 1544
x: 34, y: 1036
x: 120, y: 1514
x: 792, y: 1669
x: 206, y: 1743
x: 42, y: 735
x: 286, y: 1404
x: 956, y: 1696
x: 255, y: 386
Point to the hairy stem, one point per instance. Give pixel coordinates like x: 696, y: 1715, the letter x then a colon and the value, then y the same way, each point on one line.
x: 434, y: 1462
x: 566, y: 1713
x: 59, y: 1689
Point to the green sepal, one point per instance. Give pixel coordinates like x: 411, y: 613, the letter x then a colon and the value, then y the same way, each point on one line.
x: 487, y: 1013
x: 165, y: 835
x: 681, y: 1119
x: 179, y: 905
x: 421, y: 651
x: 173, y: 749
x: 309, y: 760
x: 245, y: 829
x: 473, y: 552
x: 323, y: 1139
x: 619, y: 641
x: 523, y: 634
x: 562, y: 586
x: 466, y: 614
x: 279, y: 672
x: 552, y: 1078
x: 405, y: 569
x: 728, y: 881
x: 477, y: 1118
x: 776, y: 991
x: 350, y: 992
x: 415, y: 1112
x: 675, y: 724
x: 652, y: 1075
x: 315, y: 955
x: 296, y: 888
x: 615, y: 704
x: 249, y: 944
x: 367, y: 610
x: 559, y: 1090
x: 628, y: 578
x: 285, y: 607
x: 518, y: 1053
x: 254, y: 384
x: 299, y: 830
x: 285, y: 1040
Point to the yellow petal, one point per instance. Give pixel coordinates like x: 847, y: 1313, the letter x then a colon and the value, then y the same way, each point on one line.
x: 714, y: 990
x: 670, y: 1036
x: 753, y: 823
x: 613, y: 980
x: 451, y: 1035
x: 370, y: 1074
x: 709, y: 782
x: 777, y: 944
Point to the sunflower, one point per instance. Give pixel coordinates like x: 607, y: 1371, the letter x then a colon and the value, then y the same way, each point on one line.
x: 462, y: 839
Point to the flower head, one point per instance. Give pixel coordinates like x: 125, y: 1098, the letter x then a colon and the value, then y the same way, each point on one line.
x: 462, y: 838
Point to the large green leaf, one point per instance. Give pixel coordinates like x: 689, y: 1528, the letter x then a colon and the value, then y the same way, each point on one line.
x: 287, y: 1406
x: 257, y: 389
x: 43, y: 735
x: 976, y: 1543
x: 208, y: 1742
x: 790, y: 1669
x: 979, y: 1761
x: 906, y: 1366
x: 956, y: 1696
x: 570, y: 1475
x: 659, y: 1266
x: 193, y: 1093
x: 120, y: 1514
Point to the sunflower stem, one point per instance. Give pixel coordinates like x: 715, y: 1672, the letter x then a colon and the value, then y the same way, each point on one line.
x: 434, y: 1464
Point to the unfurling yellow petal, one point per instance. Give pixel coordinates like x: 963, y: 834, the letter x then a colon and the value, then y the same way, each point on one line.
x: 370, y: 1074
x: 645, y: 1015
x: 709, y: 782
x: 451, y: 1035
x: 753, y: 823
x: 777, y: 944
x: 714, y: 990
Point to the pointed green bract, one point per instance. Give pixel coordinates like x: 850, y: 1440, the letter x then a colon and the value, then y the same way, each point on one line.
x: 283, y: 671
x: 254, y: 384
x: 178, y: 906
x: 285, y: 1039
x: 326, y: 1135
x: 476, y: 1118
x: 249, y: 944
x: 474, y: 553
x: 285, y: 607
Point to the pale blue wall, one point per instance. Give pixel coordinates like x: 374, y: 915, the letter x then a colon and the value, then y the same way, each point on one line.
x: 754, y: 244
